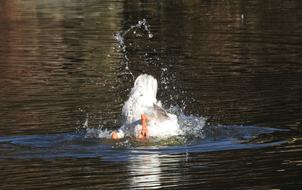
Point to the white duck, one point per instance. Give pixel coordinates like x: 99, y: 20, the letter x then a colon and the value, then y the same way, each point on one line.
x: 143, y: 115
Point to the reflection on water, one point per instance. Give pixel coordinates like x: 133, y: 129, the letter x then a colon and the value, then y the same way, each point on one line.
x: 147, y: 166
x: 56, y: 62
x: 144, y: 171
x: 234, y: 62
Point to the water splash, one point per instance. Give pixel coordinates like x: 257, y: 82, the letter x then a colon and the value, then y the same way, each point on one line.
x: 192, y: 127
x: 120, y: 38
x: 170, y: 94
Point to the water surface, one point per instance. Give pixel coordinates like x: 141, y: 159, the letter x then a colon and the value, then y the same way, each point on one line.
x: 64, y: 73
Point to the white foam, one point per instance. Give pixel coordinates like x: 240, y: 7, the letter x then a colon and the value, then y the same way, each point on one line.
x: 189, y: 124
x: 98, y: 133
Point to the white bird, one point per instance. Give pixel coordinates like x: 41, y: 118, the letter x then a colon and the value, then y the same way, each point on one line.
x: 143, y: 115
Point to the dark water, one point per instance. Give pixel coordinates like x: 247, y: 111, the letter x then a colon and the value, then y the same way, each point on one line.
x: 237, y: 63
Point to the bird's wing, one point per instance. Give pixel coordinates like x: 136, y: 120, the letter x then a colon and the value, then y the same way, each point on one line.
x: 160, y: 113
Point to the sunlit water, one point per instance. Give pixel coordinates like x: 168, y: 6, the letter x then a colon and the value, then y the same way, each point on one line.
x: 230, y: 71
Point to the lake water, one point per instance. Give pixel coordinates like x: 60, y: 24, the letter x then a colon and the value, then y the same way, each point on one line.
x: 230, y: 70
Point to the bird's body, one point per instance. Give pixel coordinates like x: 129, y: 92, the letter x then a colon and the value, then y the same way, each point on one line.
x: 143, y: 116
